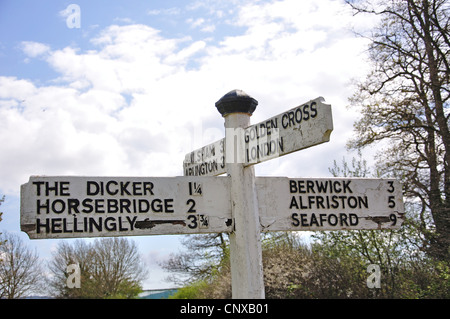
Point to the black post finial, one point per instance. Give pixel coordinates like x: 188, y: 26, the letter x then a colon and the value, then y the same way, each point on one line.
x: 236, y: 101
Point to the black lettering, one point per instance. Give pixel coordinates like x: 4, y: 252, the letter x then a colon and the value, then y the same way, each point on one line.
x: 168, y: 205
x: 310, y: 187
x: 343, y: 219
x: 125, y: 205
x: 293, y: 203
x: 99, y: 206
x: 322, y: 218
x: 291, y: 118
x: 65, y: 229
x: 157, y: 205
x: 137, y: 188
x: 92, y: 188
x: 148, y: 188
x: 144, y: 208
x: 64, y: 186
x: 347, y: 189
x: 293, y: 186
x: 75, y: 226
x: 87, y: 204
x: 58, y: 206
x: 362, y: 201
x: 353, y: 219
x: 73, y: 204
x: 110, y: 226
x: 301, y: 187
x: 38, y: 187
x: 311, y: 201
x: 343, y: 200
x: 295, y: 222
x: 112, y: 206
x: 108, y: 189
x: 120, y: 225
x: 283, y: 118
x: 298, y: 116
x: 132, y: 221
x: 123, y: 188
x: 45, y: 206
x: 352, y: 202
x: 301, y: 204
x: 319, y: 202
x: 56, y: 224
x: 93, y: 223
x: 332, y: 223
x: 304, y: 220
x: 313, y: 109
x: 306, y: 112
x: 337, y: 190
x: 49, y: 188
x: 335, y: 202
x: 322, y: 186
x: 313, y: 220
x: 39, y: 225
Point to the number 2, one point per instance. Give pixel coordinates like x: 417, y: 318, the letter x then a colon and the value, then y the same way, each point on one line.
x: 192, y: 203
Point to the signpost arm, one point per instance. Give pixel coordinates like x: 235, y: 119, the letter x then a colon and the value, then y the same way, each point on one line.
x: 245, y: 242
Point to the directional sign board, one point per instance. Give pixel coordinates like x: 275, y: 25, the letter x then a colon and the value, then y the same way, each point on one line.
x: 68, y: 207
x: 206, y: 161
x: 298, y: 128
x: 293, y: 204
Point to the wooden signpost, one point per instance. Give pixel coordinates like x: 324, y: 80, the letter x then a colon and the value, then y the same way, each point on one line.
x: 69, y: 206
x: 301, y: 127
x: 200, y: 202
x: 292, y: 204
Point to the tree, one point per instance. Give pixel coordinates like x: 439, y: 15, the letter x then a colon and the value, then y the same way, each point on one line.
x: 405, y: 102
x: 360, y: 248
x: 2, y: 199
x: 203, y: 256
x: 109, y: 268
x: 20, y: 269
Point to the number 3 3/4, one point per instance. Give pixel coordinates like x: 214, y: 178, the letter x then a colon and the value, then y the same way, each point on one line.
x: 200, y: 221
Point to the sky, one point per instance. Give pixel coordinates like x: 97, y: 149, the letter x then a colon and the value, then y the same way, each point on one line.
x: 127, y: 88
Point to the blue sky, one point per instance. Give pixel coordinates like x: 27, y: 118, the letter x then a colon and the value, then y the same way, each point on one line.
x: 132, y: 90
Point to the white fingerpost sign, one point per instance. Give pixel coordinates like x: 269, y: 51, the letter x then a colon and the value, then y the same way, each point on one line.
x: 301, y: 127
x: 70, y: 206
x: 292, y: 204
x: 200, y: 202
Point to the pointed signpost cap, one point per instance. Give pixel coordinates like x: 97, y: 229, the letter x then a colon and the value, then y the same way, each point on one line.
x: 236, y: 101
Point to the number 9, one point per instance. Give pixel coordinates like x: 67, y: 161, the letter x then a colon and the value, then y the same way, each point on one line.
x: 393, y: 219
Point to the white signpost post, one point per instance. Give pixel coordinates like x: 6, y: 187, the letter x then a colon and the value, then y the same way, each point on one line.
x: 200, y: 202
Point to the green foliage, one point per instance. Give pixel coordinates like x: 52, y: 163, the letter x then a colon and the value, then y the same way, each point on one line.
x: 110, y: 268
x: 335, y: 264
x: 192, y: 291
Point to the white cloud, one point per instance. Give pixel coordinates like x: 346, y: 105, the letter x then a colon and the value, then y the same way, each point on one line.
x: 34, y: 49
x: 138, y: 102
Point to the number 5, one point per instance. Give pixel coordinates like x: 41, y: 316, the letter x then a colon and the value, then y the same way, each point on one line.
x: 391, y: 201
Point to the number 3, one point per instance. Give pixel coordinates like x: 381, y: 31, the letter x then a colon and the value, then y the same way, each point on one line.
x: 193, y: 220
x: 391, y: 187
